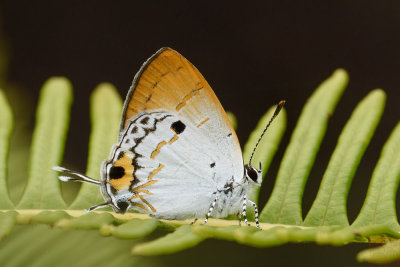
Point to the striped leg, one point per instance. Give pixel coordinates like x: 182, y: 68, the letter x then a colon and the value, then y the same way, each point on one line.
x: 211, y: 207
x: 244, y: 210
x: 255, y: 213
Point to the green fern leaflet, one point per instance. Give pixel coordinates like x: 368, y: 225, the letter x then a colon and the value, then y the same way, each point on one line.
x: 42, y: 204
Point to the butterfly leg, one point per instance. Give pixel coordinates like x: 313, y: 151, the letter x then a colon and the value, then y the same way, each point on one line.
x: 255, y: 213
x: 244, y: 210
x: 240, y: 218
x: 211, y: 207
x: 194, y: 221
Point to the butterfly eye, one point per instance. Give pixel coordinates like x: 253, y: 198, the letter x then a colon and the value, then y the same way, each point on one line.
x: 251, y: 173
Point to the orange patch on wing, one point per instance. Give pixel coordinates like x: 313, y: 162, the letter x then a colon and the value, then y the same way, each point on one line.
x: 144, y: 191
x: 187, y: 97
x: 157, y: 150
x: 167, y: 81
x: 148, y: 204
x: 144, y: 185
x: 125, y: 181
x: 202, y: 122
x: 140, y: 206
x: 120, y: 183
x: 155, y: 171
x: 173, y: 139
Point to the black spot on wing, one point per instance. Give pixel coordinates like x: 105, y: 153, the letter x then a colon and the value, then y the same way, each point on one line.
x: 230, y: 134
x: 212, y: 165
x: 178, y: 127
x: 116, y: 172
x: 134, y: 129
x: 145, y: 120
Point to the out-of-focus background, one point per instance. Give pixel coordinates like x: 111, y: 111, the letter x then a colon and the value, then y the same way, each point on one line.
x: 253, y: 54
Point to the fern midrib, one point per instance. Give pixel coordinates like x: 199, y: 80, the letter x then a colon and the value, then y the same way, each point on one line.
x: 26, y: 214
x: 379, y: 194
x: 337, y: 171
x: 381, y: 186
x: 42, y: 184
x: 330, y: 198
x: 285, y: 194
x: 377, y: 202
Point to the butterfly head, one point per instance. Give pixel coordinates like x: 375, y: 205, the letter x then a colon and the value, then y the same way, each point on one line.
x: 252, y: 174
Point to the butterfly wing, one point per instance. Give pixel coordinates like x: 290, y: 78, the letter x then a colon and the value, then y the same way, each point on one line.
x: 166, y: 173
x: 191, y: 153
x: 168, y: 81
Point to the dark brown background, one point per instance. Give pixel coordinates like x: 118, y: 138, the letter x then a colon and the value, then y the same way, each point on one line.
x: 253, y: 54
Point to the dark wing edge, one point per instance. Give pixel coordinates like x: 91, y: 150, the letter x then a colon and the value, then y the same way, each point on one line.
x: 135, y: 83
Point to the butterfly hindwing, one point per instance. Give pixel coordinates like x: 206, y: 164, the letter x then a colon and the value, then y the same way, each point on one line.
x: 165, y: 157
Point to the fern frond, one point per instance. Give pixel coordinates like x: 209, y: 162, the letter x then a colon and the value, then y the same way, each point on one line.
x: 284, y: 205
x: 329, y: 207
x: 281, y: 219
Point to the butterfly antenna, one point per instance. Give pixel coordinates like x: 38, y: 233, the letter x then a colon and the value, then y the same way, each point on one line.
x: 277, y: 110
x: 78, y: 176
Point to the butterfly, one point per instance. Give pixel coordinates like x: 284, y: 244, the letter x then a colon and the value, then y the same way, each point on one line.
x: 177, y: 154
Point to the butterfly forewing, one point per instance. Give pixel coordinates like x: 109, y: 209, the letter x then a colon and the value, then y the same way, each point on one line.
x: 169, y: 82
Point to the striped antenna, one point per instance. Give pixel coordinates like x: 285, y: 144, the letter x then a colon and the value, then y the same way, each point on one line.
x: 277, y: 110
